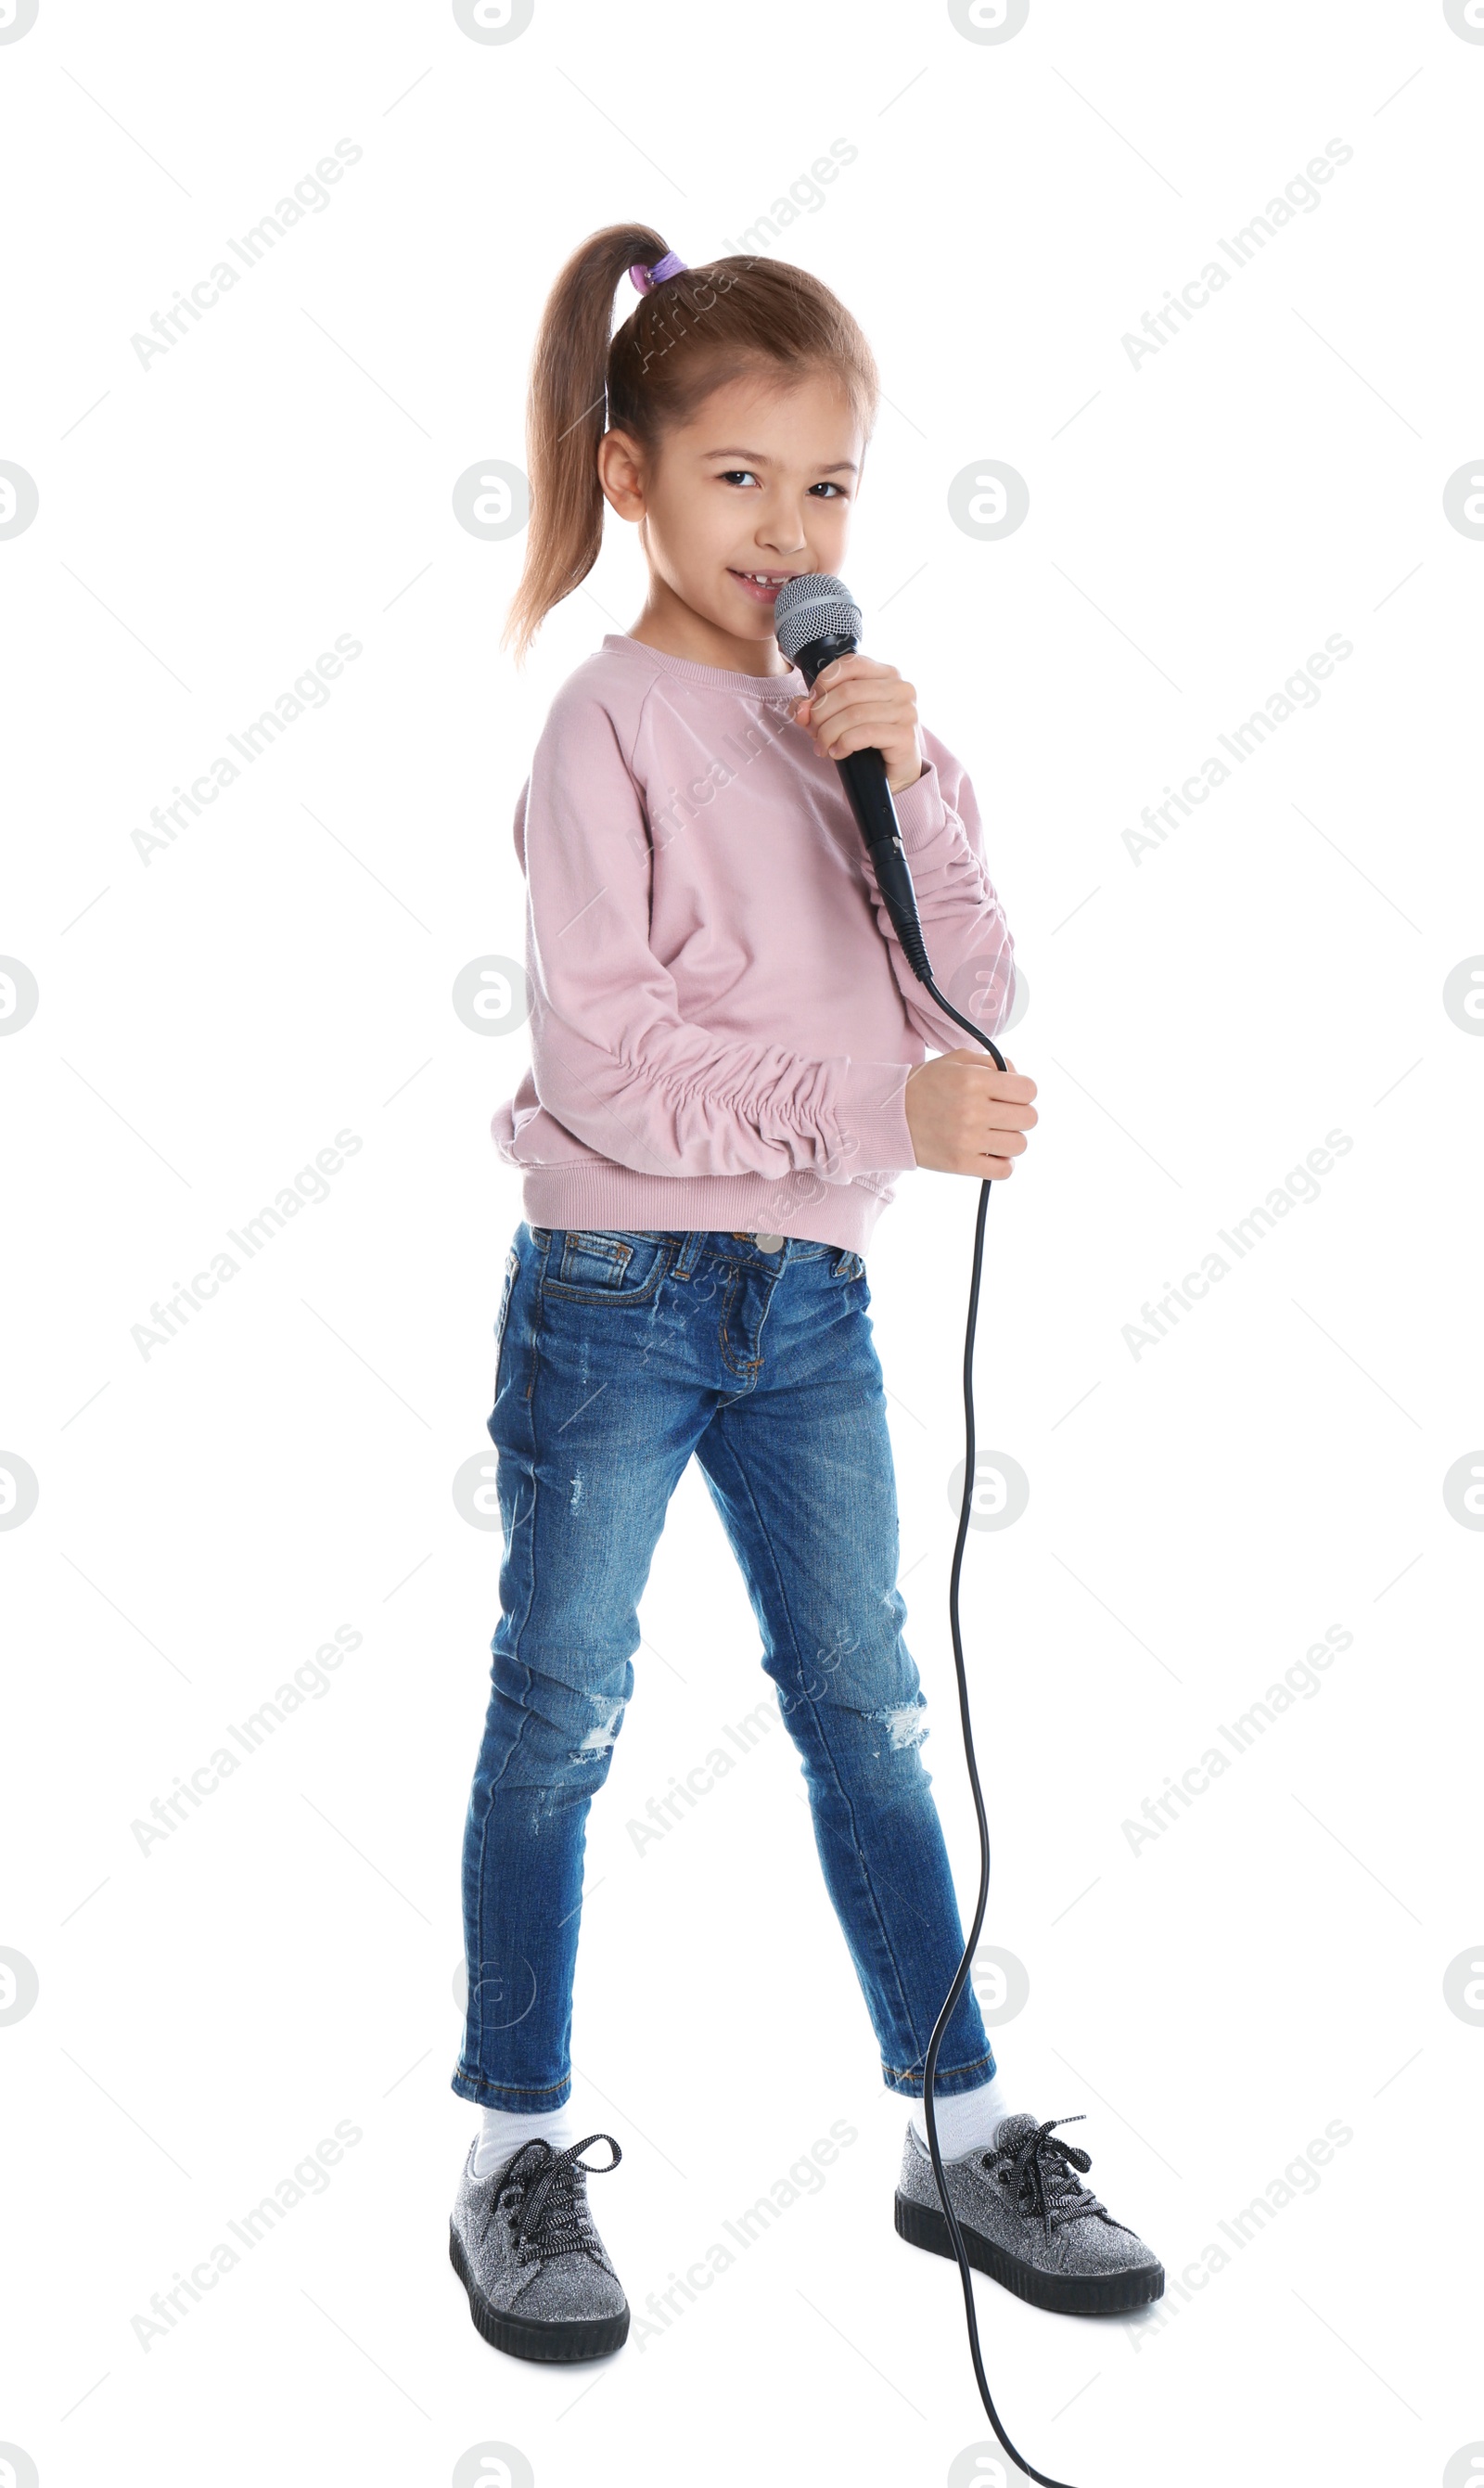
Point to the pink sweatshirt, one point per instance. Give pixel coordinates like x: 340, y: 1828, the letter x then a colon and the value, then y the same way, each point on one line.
x: 722, y: 1020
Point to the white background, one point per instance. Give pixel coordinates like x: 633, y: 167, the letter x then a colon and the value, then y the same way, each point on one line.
x: 1198, y: 1022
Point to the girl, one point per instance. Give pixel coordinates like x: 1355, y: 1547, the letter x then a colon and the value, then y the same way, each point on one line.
x: 723, y: 1028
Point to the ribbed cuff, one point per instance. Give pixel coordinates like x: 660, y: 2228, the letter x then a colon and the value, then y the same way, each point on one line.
x: 872, y: 1113
x: 923, y: 815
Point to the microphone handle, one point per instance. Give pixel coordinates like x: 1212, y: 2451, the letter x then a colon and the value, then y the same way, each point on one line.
x: 865, y: 782
x: 864, y: 774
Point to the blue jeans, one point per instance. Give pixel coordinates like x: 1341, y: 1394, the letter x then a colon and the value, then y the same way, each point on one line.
x: 618, y: 1355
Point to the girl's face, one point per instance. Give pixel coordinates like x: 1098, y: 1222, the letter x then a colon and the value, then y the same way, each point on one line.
x: 758, y: 486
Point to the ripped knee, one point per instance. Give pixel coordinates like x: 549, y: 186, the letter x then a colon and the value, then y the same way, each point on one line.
x: 599, y: 1742
x: 905, y: 1723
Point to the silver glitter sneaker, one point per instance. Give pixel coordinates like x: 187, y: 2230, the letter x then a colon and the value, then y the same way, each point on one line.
x: 1029, y: 2222
x: 522, y: 2242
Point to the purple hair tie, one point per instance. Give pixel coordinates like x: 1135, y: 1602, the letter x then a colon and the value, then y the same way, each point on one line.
x: 645, y: 279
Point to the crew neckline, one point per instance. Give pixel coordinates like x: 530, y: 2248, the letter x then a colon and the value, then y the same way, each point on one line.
x: 721, y: 678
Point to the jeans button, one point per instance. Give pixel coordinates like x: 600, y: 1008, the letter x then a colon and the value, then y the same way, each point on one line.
x: 768, y: 1243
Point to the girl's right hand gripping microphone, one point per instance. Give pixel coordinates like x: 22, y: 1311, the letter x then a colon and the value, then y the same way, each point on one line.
x: 817, y: 619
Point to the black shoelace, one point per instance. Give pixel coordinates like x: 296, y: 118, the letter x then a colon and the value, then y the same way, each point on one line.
x: 1040, y: 2179
x: 541, y: 2193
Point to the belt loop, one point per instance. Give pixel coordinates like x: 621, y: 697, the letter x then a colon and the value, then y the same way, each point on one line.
x: 689, y: 1252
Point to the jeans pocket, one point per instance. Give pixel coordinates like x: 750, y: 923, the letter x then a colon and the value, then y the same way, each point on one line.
x: 605, y: 1265
x: 512, y: 1273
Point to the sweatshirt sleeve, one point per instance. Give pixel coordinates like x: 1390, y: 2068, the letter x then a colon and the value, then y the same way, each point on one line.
x: 968, y: 942
x: 613, y: 1059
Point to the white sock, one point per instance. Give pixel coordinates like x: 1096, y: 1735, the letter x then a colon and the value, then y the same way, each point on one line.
x: 503, y: 2131
x: 965, y: 2121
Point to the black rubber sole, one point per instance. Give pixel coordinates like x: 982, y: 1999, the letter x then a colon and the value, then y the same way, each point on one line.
x: 1114, y: 2293
x: 591, y: 2336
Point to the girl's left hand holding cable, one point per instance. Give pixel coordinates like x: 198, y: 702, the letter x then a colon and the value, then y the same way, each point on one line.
x: 857, y: 705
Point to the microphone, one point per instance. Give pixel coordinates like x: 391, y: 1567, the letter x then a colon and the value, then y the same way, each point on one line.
x: 817, y: 619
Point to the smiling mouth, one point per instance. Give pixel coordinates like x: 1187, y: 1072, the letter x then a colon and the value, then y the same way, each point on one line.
x: 763, y: 583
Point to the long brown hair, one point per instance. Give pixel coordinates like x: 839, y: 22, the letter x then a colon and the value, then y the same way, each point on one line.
x: 680, y: 341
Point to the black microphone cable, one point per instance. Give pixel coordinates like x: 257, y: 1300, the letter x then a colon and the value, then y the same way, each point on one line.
x: 924, y: 975
x: 816, y: 619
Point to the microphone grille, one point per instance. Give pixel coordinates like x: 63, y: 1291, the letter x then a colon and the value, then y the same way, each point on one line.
x: 814, y: 606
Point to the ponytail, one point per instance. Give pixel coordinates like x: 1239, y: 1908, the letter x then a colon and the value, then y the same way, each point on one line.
x: 680, y: 341
x: 565, y: 422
